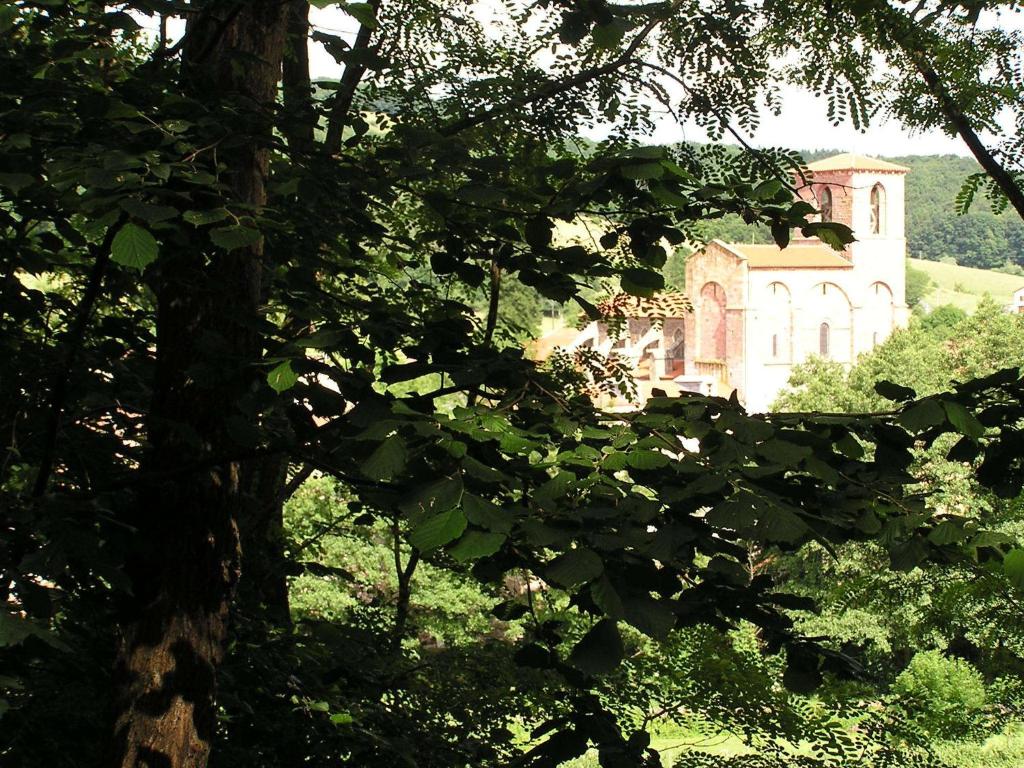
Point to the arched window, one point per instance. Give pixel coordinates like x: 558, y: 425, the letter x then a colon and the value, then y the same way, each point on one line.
x: 678, y: 349
x: 825, y: 204
x: 877, y: 210
x: 775, y: 345
x: 711, y: 318
x: 823, y: 339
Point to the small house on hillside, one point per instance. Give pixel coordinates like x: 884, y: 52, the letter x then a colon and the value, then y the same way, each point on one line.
x: 1017, y: 303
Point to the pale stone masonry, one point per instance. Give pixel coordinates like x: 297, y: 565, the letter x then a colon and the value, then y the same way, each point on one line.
x: 759, y: 310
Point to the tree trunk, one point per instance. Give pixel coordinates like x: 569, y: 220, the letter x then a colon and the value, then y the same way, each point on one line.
x: 263, y: 593
x: 300, y: 116
x: 186, y: 562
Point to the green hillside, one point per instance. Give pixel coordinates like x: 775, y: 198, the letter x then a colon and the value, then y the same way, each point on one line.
x: 964, y: 286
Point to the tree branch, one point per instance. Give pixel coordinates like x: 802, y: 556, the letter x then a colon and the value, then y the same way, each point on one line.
x: 553, y: 88
x: 907, y: 35
x: 75, y: 335
x: 404, y: 575
x: 350, y: 78
x: 963, y: 127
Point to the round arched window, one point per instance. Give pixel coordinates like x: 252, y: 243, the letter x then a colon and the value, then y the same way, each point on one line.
x: 877, y: 210
x: 824, y: 332
x: 825, y: 204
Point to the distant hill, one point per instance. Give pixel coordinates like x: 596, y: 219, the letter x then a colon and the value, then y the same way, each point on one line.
x: 964, y: 286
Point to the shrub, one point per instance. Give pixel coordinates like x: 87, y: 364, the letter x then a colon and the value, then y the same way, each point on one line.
x: 945, y: 696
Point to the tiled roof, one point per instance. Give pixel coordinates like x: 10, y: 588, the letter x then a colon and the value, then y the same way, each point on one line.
x: 541, y: 349
x: 851, y: 162
x: 793, y: 257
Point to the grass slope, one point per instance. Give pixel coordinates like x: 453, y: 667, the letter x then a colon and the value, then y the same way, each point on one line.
x: 964, y: 286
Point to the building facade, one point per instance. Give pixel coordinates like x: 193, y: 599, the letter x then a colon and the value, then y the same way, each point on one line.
x: 758, y: 310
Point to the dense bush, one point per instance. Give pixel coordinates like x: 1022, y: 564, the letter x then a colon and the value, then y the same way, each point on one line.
x: 944, y: 695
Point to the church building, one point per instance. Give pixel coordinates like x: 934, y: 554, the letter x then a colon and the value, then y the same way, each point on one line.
x: 758, y: 310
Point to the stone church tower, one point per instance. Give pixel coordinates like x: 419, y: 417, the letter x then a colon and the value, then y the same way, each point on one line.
x: 759, y: 310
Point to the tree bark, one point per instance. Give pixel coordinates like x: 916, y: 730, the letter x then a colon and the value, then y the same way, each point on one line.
x: 186, y: 563
x: 263, y: 593
x: 300, y: 116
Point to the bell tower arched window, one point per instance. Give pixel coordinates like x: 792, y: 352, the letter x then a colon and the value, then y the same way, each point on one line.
x: 877, y: 210
x: 825, y: 204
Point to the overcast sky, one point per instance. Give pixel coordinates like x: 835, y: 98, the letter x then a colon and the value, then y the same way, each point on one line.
x: 803, y: 124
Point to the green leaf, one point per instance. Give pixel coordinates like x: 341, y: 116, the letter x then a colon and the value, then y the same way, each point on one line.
x: 642, y: 282
x: 438, y: 530
x: 486, y: 514
x: 906, y: 555
x: 802, y: 673
x: 133, y: 246
x: 1013, y: 567
x: 643, y: 458
x: 781, y: 525
x: 652, y: 617
x: 577, y: 566
x: 538, y: 232
x: 16, y: 181
x: 151, y: 214
x: 282, y: 377
x: 554, y: 488
x: 921, y: 415
x: 831, y: 233
x: 891, y: 391
x: 476, y: 544
x: 199, y: 218
x: 963, y: 420
x: 767, y: 190
x: 780, y: 233
x: 387, y: 461
x: 435, y: 497
x: 600, y: 650
x: 947, y: 532
x: 608, y: 35
x: 235, y: 236
x: 607, y: 598
x: 361, y: 12
x: 784, y: 452
x: 641, y: 171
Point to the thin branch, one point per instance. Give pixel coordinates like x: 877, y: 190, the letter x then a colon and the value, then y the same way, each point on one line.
x: 553, y: 88
x: 404, y: 575
x: 73, y: 342
x: 758, y: 155
x: 350, y: 79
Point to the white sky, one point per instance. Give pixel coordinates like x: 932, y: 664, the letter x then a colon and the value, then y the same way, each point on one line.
x: 803, y: 124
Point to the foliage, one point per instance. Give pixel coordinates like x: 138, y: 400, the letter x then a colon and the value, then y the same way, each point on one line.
x: 214, y: 288
x: 946, y: 695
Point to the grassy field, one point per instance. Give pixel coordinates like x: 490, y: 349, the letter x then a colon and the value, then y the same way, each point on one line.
x: 964, y: 286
